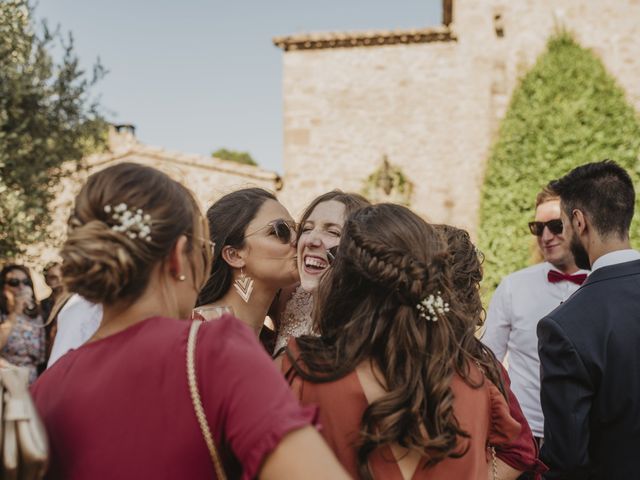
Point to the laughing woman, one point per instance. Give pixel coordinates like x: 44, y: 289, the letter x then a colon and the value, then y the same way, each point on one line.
x: 319, y: 231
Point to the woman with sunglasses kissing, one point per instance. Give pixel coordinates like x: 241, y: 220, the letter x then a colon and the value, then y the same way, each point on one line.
x: 254, y: 255
x: 22, y: 340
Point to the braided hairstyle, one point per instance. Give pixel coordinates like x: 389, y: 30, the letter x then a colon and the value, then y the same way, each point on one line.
x: 388, y: 261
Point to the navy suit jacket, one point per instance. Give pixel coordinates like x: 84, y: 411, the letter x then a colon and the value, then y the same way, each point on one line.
x: 589, y: 351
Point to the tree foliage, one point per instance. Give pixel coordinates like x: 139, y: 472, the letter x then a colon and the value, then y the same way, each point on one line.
x: 234, y: 156
x: 567, y: 111
x: 47, y: 121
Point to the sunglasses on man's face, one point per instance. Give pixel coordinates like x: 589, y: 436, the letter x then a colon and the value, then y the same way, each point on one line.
x: 554, y: 226
x: 283, y: 230
x: 15, y: 282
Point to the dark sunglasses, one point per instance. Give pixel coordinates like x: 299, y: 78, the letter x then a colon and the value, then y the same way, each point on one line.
x: 15, y: 282
x: 282, y: 229
x: 554, y: 226
x: 331, y: 254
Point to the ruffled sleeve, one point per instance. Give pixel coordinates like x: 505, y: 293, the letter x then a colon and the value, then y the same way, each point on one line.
x: 522, y: 452
x: 246, y: 399
x: 503, y: 428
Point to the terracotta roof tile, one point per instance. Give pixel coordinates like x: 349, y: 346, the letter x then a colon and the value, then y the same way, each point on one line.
x: 316, y: 41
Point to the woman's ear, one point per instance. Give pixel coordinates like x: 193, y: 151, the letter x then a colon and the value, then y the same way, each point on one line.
x: 178, y: 262
x: 233, y: 257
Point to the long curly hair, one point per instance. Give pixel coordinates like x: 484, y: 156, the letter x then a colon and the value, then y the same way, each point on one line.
x: 388, y: 261
x: 465, y: 265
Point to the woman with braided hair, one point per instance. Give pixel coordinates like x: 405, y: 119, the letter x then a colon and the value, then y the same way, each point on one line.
x: 521, y: 454
x: 401, y: 393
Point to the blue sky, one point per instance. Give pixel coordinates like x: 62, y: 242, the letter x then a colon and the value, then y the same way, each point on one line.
x: 198, y: 75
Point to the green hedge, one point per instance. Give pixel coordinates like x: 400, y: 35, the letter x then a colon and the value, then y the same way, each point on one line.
x: 566, y: 111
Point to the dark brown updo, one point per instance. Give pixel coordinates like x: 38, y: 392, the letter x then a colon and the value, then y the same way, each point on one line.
x: 106, y: 265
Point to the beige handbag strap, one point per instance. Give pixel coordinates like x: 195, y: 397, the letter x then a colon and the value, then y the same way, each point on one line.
x: 197, y: 401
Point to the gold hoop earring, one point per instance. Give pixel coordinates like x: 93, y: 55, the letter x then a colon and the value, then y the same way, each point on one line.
x: 244, y: 286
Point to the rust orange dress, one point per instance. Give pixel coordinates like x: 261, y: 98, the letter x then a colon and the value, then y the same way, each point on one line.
x: 482, y: 412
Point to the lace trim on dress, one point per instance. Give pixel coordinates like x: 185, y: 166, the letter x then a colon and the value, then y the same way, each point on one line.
x: 296, y: 319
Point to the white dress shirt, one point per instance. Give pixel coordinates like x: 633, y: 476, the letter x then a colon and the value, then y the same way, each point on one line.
x: 520, y: 301
x: 78, y: 320
x: 614, y: 258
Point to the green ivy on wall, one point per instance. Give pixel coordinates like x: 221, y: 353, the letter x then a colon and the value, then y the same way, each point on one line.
x: 567, y: 111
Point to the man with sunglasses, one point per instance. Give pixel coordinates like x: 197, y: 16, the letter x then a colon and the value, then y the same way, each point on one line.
x: 524, y: 297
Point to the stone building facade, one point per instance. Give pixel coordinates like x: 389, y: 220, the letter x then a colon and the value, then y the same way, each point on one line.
x: 426, y: 103
x: 429, y: 101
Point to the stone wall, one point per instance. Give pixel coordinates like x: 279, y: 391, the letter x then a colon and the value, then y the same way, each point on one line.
x: 347, y: 108
x: 433, y: 108
x: 610, y: 29
x: 208, y: 178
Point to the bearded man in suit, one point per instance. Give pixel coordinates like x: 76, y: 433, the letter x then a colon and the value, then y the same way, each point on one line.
x: 589, y: 346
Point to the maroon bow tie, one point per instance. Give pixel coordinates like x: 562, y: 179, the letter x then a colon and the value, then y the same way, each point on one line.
x: 555, y: 276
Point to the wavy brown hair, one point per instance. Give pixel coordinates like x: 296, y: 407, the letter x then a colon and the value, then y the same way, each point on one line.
x: 389, y: 259
x: 465, y: 264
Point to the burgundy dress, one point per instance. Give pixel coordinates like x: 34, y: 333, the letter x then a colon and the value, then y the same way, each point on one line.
x: 120, y: 407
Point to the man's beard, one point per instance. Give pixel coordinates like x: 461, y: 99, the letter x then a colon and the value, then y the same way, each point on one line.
x: 579, y: 253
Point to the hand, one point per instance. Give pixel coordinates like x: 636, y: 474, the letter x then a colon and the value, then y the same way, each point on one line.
x: 16, y: 303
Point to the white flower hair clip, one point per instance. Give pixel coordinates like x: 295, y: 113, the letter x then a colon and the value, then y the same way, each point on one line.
x: 432, y: 306
x: 133, y: 223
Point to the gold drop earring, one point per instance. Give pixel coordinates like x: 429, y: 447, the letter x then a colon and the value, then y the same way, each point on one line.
x: 244, y: 286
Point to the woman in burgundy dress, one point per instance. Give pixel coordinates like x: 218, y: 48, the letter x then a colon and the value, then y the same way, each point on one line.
x: 396, y: 371
x: 120, y: 405
x: 465, y: 261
